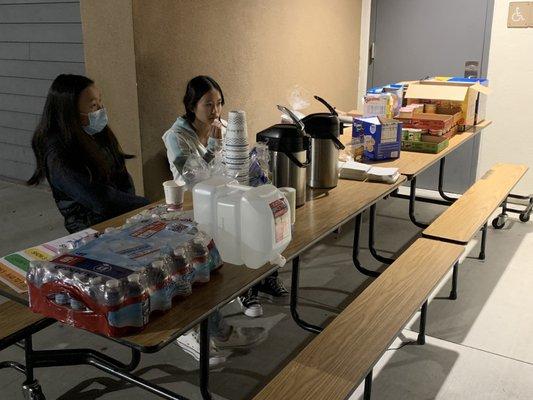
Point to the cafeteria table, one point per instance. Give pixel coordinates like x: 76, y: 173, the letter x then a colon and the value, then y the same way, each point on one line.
x: 324, y: 212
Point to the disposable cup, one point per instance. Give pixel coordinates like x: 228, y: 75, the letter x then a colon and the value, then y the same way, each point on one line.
x: 174, y: 192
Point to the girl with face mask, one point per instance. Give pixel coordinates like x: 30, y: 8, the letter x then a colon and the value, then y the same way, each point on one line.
x: 80, y: 157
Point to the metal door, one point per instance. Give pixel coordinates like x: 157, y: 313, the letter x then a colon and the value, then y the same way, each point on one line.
x: 413, y: 39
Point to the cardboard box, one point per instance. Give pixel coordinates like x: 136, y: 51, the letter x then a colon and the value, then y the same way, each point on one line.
x: 456, y: 94
x: 439, y: 122
x: 481, y: 102
x: 473, y: 91
x: 382, y: 137
x: 429, y: 137
x: 436, y: 145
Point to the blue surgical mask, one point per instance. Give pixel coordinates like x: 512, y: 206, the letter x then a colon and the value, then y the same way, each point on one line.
x: 97, y: 121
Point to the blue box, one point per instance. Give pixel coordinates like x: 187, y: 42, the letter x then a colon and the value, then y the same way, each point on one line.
x: 383, y: 137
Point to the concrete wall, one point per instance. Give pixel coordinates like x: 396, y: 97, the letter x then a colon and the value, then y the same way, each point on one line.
x: 510, y: 138
x: 38, y: 41
x: 255, y: 49
x: 110, y: 61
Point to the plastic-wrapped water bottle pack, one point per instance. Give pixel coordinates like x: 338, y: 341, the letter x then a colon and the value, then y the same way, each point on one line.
x: 114, y: 282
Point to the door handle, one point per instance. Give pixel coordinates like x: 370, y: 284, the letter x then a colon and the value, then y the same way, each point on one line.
x: 371, y: 53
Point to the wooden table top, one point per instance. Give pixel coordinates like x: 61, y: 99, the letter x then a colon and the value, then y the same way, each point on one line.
x: 323, y: 213
x: 463, y: 219
x: 411, y: 163
x: 340, y: 357
x: 16, y: 317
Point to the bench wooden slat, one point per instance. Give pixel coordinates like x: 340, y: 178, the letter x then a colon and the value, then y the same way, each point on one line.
x: 340, y: 357
x: 463, y: 219
x: 15, y: 317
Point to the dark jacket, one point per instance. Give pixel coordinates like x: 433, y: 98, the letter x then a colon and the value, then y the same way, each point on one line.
x: 84, y: 200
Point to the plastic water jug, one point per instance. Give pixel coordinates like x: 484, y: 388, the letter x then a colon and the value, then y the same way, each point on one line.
x: 250, y: 225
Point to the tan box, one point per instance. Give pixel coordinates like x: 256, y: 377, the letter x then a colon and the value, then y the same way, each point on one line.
x: 463, y: 95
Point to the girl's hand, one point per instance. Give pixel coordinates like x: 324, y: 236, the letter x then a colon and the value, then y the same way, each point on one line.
x: 215, y: 131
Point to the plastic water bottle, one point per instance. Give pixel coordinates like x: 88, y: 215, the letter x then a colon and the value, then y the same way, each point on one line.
x: 76, y: 304
x: 199, y: 259
x: 136, y: 293
x: 113, y: 293
x: 95, y: 288
x: 155, y: 274
x: 43, y: 272
x: 180, y: 258
x: 61, y: 299
x: 160, y: 288
x: 65, y: 275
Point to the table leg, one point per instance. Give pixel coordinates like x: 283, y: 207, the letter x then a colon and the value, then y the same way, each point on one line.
x: 31, y: 387
x: 524, y: 214
x: 499, y: 221
x: 412, y: 200
x: 67, y: 357
x: 204, y: 359
x: 355, y: 250
x: 294, y: 299
x: 441, y: 182
x: 373, y: 251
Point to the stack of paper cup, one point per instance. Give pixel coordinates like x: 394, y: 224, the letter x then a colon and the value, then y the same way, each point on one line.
x: 236, y: 149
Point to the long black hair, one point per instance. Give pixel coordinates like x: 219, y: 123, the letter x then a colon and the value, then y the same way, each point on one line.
x: 60, y: 126
x: 196, y: 88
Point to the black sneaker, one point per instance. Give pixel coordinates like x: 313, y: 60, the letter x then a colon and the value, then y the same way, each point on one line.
x: 273, y: 286
x: 250, y: 305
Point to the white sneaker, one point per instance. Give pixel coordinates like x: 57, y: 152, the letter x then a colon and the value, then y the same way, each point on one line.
x: 190, y: 344
x: 250, y: 305
x: 241, y: 337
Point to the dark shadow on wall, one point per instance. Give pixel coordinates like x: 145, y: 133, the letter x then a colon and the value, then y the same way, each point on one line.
x: 155, y: 172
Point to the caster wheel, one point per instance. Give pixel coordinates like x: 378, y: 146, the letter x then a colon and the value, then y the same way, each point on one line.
x: 32, y: 391
x: 524, y: 217
x: 498, y: 222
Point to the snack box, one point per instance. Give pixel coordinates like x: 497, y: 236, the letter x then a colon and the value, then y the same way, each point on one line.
x: 382, y: 137
x: 425, y: 147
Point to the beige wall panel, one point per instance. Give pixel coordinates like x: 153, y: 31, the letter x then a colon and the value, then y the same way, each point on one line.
x: 255, y: 49
x: 110, y: 62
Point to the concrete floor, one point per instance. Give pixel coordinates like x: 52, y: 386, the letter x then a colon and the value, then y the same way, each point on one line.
x: 478, y: 347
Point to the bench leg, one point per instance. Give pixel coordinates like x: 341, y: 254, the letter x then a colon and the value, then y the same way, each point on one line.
x: 441, y: 182
x: 368, y: 386
x: 295, y: 282
x: 422, y: 331
x: 453, y: 292
x: 373, y: 251
x: 412, y: 201
x: 204, y: 359
x: 483, y: 242
x: 355, y: 250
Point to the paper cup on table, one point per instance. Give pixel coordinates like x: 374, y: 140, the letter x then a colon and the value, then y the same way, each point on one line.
x: 290, y: 194
x: 174, y: 192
